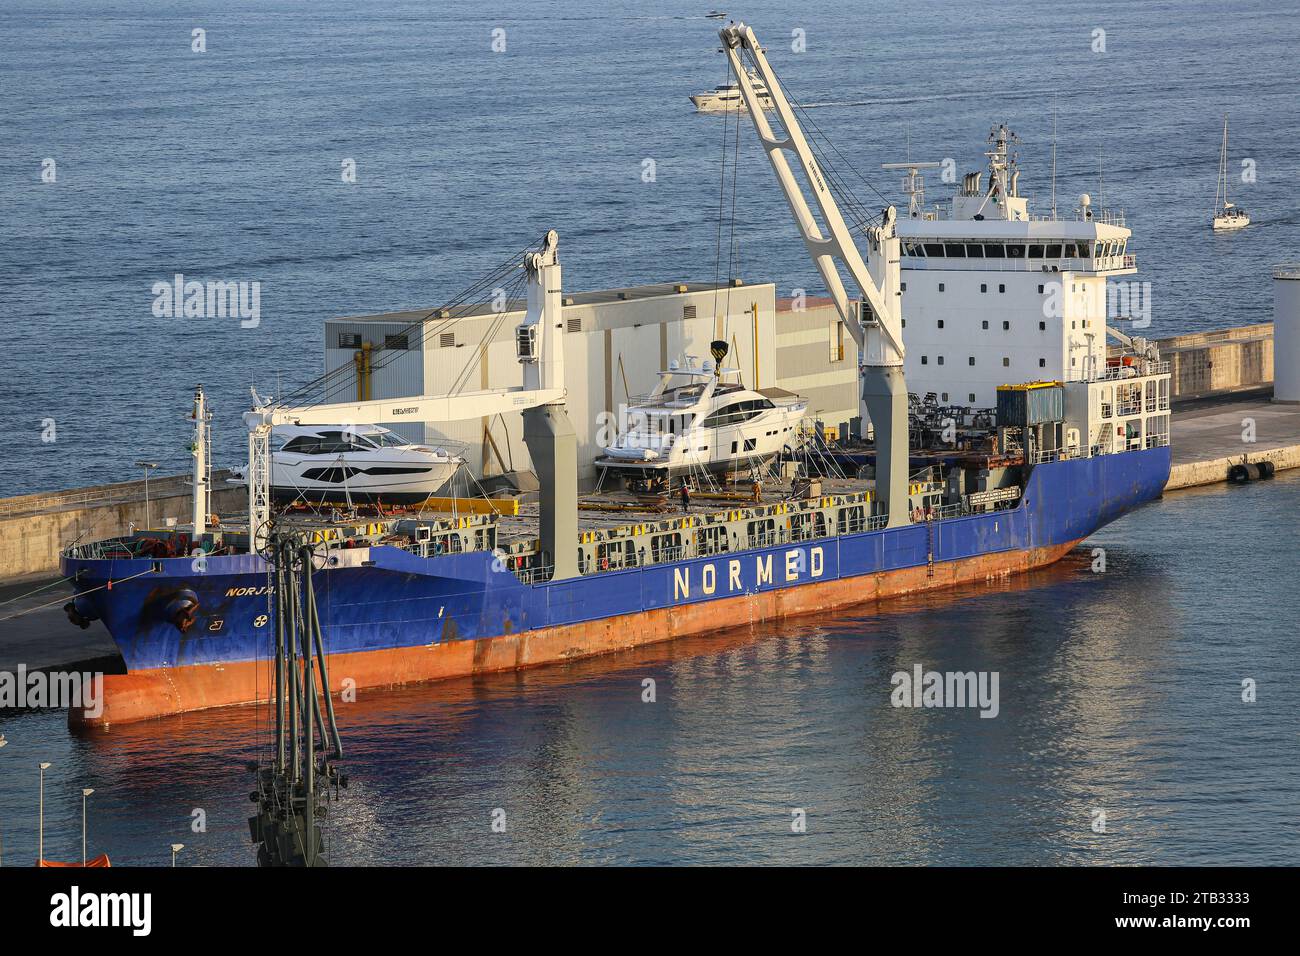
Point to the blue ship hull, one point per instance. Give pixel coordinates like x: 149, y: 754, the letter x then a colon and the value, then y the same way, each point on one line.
x: 400, y: 601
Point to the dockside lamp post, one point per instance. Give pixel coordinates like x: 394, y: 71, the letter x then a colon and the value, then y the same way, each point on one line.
x: 40, y: 827
x: 176, y: 848
x: 86, y: 791
x: 148, y: 466
x: 2, y: 839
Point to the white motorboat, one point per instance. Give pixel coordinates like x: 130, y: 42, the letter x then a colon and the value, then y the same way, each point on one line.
x: 1227, y: 217
x: 701, y: 418
x: 361, y: 464
x: 727, y: 97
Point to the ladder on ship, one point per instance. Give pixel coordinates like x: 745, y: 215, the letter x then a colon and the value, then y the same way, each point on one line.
x: 929, y: 545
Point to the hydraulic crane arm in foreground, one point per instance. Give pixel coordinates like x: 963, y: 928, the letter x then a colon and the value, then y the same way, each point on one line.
x: 549, y: 435
x: 878, y: 330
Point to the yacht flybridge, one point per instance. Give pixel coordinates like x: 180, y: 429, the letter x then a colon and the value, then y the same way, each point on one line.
x: 701, y: 418
x: 727, y: 97
x: 363, y: 464
x: 1227, y: 217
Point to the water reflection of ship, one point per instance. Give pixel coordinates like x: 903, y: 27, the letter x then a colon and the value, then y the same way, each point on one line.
x: 1068, y: 699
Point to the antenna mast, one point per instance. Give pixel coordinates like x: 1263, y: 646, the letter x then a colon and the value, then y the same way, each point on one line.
x: 1053, y: 155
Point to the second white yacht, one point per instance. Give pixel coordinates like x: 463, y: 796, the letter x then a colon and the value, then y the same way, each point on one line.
x: 362, y: 464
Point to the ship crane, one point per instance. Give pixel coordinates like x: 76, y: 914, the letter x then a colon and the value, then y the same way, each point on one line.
x: 548, y: 433
x: 878, y: 329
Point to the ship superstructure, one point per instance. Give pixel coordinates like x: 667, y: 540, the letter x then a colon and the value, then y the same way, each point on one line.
x: 994, y: 293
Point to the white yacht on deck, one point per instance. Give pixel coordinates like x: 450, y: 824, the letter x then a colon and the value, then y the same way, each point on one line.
x: 361, y: 464
x: 1227, y: 217
x: 727, y: 97
x: 701, y: 418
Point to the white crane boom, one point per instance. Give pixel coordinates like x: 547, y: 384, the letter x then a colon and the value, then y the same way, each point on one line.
x: 882, y: 343
x: 879, y: 330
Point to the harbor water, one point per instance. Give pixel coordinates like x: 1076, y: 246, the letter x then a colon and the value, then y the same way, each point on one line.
x: 1121, y: 682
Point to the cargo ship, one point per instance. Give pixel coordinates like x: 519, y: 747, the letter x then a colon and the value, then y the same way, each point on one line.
x: 498, y: 585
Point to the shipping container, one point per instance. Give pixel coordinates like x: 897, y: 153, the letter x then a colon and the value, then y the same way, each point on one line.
x: 1035, y: 403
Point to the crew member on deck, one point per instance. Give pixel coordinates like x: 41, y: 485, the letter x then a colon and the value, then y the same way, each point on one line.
x: 686, y: 496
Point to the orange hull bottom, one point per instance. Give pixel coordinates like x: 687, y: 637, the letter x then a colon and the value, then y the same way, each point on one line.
x: 174, y: 690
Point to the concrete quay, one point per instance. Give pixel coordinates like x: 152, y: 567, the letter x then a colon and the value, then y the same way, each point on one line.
x: 1211, y: 435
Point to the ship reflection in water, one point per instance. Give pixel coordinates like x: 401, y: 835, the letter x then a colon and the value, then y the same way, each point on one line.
x: 1119, y: 692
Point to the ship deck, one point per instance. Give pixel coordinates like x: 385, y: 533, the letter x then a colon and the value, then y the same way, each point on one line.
x: 606, y: 510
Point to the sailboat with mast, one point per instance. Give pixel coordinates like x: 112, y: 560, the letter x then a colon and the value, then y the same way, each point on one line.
x: 1227, y: 217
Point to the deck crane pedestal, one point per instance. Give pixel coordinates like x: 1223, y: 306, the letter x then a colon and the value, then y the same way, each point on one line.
x: 877, y: 330
x: 548, y: 433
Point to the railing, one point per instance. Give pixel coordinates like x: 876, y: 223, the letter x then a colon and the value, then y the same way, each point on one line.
x: 101, y: 550
x: 955, y: 510
x: 706, y: 548
x: 769, y: 538
x: 1042, y: 266
x: 1114, y: 373
x: 534, y: 575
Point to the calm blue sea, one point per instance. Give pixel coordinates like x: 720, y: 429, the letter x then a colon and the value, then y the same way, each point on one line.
x: 226, y: 165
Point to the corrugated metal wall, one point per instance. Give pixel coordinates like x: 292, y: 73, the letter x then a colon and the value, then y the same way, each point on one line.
x: 818, y: 359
